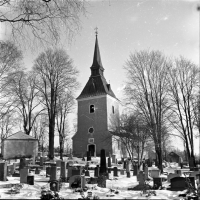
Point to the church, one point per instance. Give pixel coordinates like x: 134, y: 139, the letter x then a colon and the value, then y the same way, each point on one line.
x: 97, y: 107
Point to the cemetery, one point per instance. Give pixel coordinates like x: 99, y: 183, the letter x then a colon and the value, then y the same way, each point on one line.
x: 93, y: 178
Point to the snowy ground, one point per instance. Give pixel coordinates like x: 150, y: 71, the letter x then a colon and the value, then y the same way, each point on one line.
x: 121, y: 183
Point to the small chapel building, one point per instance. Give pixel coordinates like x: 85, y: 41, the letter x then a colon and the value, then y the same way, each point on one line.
x: 97, y: 108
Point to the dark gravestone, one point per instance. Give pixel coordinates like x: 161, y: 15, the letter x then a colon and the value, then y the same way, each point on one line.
x: 96, y: 172
x: 30, y: 179
x: 88, y: 156
x: 135, y: 170
x: 157, y: 182
x: 128, y: 174
x: 102, y: 162
x: 101, y: 181
x: 109, y: 162
x: 54, y: 186
x: 22, y: 163
x: 87, y: 173
x: 3, y: 171
x: 53, y: 172
x: 124, y: 166
x: 48, y: 171
x: 178, y: 183
x: 76, y: 172
x: 115, y: 171
x: 37, y: 170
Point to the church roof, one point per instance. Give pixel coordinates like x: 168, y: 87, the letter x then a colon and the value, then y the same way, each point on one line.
x: 20, y: 136
x: 97, y: 64
x: 97, y: 84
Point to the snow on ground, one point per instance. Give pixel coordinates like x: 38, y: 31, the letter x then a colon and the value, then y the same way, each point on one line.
x: 121, y: 183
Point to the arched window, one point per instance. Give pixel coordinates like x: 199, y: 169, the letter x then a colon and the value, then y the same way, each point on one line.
x: 91, y: 108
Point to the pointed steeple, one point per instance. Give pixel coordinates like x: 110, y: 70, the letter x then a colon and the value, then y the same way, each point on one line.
x: 97, y: 67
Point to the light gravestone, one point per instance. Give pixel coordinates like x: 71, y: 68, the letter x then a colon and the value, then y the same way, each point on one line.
x: 23, y: 175
x: 113, y: 158
x: 63, y: 169
x: 146, y: 172
x: 83, y: 181
x: 155, y: 173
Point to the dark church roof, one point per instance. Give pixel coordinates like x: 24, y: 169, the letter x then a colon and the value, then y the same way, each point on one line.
x: 97, y: 84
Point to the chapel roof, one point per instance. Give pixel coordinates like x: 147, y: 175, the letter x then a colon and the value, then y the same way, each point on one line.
x: 97, y: 84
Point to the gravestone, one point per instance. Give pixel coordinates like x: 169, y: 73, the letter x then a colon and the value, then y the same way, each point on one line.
x: 42, y: 160
x: 146, y: 172
x: 141, y: 178
x: 76, y: 171
x: 75, y: 181
x: 135, y: 170
x: 10, y: 170
x: 116, y: 161
x: 103, y: 162
x: 87, y: 173
x: 30, y: 179
x: 178, y: 183
x: 48, y: 169
x: 157, y: 182
x: 88, y: 156
x: 113, y: 158
x: 128, y: 174
x: 124, y: 165
x: 171, y: 175
x: 23, y: 175
x: 109, y: 162
x: 69, y: 172
x: 3, y: 171
x: 155, y: 173
x: 22, y: 163
x: 37, y: 170
x: 127, y: 166
x: 58, y: 163
x: 122, y: 172
x: 63, y: 169
x: 96, y: 172
x: 53, y: 172
x: 83, y: 181
x: 101, y: 181
x: 115, y: 171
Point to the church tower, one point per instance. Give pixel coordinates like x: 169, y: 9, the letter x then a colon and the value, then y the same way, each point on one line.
x: 97, y: 106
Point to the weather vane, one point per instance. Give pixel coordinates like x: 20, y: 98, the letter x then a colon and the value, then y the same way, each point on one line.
x: 96, y: 31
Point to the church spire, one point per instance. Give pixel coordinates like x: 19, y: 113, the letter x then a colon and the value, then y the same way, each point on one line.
x: 97, y: 67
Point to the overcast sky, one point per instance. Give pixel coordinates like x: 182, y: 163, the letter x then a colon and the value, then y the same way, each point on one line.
x: 125, y: 26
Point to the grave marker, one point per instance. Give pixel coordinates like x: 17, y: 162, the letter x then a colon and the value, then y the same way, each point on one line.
x: 113, y: 158
x: 3, y: 171
x: 23, y: 175
x: 63, y: 169
x: 53, y: 172
x: 115, y: 171
x: 102, y: 162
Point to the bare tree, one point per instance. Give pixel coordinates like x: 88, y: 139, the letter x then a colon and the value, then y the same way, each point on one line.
x: 55, y: 75
x: 65, y: 105
x: 131, y: 132
x: 182, y: 91
x: 41, y: 21
x: 39, y: 131
x: 146, y: 89
x: 7, y: 125
x: 22, y: 90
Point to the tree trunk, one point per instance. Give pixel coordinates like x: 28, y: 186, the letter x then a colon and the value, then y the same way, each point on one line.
x: 61, y: 149
x: 51, y: 138
x: 159, y: 155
